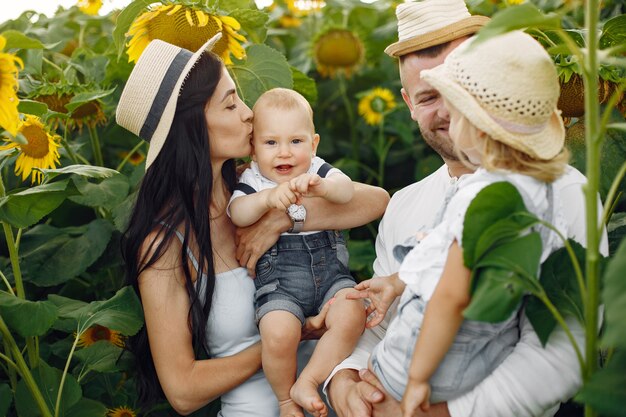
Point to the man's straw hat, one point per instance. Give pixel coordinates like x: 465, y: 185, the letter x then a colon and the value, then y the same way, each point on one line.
x: 148, y: 102
x: 422, y: 24
x: 508, y: 88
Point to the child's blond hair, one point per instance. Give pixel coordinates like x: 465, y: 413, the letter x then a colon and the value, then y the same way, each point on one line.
x: 284, y: 99
x: 496, y: 155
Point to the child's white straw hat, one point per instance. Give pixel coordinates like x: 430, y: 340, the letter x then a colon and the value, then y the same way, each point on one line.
x: 508, y: 88
x: 148, y: 102
x: 422, y: 24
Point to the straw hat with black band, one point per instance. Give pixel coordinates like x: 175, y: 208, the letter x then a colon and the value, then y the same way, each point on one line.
x: 422, y: 24
x: 148, y: 103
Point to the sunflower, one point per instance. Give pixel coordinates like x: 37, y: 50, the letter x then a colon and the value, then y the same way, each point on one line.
x: 89, y: 114
x: 90, y: 7
x: 135, y: 158
x: 96, y: 333
x: 337, y: 50
x: 9, y: 63
x: 304, y: 7
x: 186, y: 27
x: 122, y: 411
x: 376, y: 104
x: 41, y: 151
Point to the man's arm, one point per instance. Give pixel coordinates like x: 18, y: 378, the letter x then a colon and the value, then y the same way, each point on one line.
x: 367, y: 204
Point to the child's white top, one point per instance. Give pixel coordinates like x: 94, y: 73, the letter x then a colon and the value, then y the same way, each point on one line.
x: 422, y: 267
x: 251, y: 180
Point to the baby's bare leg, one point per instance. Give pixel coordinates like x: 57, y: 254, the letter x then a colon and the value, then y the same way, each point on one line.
x: 280, y: 336
x: 345, y: 323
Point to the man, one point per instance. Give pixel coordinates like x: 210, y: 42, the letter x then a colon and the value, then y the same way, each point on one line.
x: 428, y: 31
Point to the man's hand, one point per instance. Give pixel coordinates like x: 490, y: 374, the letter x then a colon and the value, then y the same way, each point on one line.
x: 254, y: 240
x: 351, y: 397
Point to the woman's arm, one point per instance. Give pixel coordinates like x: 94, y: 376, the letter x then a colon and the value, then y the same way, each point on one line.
x: 368, y: 203
x: 187, y: 383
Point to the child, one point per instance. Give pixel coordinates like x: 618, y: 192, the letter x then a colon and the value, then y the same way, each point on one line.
x: 303, y: 271
x: 502, y: 98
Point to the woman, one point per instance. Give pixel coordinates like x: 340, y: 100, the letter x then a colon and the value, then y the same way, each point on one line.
x: 180, y: 247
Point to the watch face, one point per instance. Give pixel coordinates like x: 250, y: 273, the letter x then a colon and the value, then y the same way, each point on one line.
x: 296, y: 212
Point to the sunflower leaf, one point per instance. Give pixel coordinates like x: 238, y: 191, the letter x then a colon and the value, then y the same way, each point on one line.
x: 82, y: 98
x: 87, y: 171
x: 102, y: 356
x: 304, y: 85
x: 614, y: 298
x: 17, y: 40
x: 123, y: 22
x: 253, y: 22
x: 33, y: 107
x: 27, y: 207
x: 87, y: 408
x: 263, y: 69
x: 27, y: 318
x: 109, y: 193
x: 63, y: 255
x: 6, y: 398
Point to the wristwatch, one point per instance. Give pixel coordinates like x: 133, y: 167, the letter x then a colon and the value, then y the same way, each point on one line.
x: 298, y: 216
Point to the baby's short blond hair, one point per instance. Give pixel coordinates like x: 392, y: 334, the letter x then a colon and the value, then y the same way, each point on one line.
x: 284, y: 99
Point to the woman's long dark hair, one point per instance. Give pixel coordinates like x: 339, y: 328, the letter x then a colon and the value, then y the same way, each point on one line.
x: 175, y: 194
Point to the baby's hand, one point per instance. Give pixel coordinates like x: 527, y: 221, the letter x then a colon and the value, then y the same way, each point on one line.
x: 415, y: 397
x: 311, y: 185
x: 381, y: 292
x: 281, y: 197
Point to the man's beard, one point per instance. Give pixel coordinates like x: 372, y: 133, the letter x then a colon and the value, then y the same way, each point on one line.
x: 439, y: 143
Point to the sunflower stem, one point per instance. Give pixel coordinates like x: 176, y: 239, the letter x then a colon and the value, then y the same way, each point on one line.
x: 24, y: 371
x: 382, y: 154
x: 7, y: 283
x: 350, y: 113
x: 11, y: 372
x: 130, y: 154
x: 65, y: 370
x: 66, y: 145
x: 594, y: 147
x: 95, y: 145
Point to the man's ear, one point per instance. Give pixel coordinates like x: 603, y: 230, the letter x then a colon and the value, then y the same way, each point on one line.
x: 316, y: 141
x: 408, y: 102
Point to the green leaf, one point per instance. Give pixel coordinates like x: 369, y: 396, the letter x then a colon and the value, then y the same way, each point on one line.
x: 492, y: 203
x: 614, y: 299
x: 514, y: 18
x: 87, y: 408
x: 122, y: 312
x: 82, y: 98
x: 17, y: 40
x: 109, y: 193
x: 559, y: 281
x: 362, y: 255
x: 304, y: 85
x: 123, y: 22
x: 228, y: 5
x: 617, y: 126
x: 32, y: 107
x: 497, y: 288
x: 605, y: 391
x: 48, y: 380
x: 6, y: 398
x: 253, y: 22
x: 27, y: 318
x: 25, y: 208
x: 87, y: 171
x: 102, y: 356
x: 503, y: 230
x: 613, y: 32
x: 263, y: 69
x: 121, y: 213
x: 66, y: 256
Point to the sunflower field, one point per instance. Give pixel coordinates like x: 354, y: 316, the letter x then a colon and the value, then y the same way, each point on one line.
x: 69, y: 173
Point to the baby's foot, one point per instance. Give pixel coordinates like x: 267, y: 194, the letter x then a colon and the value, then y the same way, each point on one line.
x: 305, y: 394
x: 288, y: 408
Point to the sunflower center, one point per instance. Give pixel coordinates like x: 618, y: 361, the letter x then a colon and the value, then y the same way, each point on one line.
x: 100, y: 333
x: 176, y: 30
x: 37, y: 146
x: 378, y: 104
x: 85, y: 110
x: 126, y: 414
x: 338, y: 48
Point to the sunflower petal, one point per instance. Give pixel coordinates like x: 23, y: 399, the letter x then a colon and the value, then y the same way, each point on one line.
x: 231, y: 21
x: 174, y: 9
x: 203, y: 19
x: 189, y: 18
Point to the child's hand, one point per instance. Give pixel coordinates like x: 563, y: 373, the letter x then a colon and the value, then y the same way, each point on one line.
x: 381, y: 291
x: 311, y: 185
x: 281, y: 197
x: 415, y: 397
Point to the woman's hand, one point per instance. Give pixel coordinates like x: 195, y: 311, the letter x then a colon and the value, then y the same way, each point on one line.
x: 315, y: 326
x: 382, y: 291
